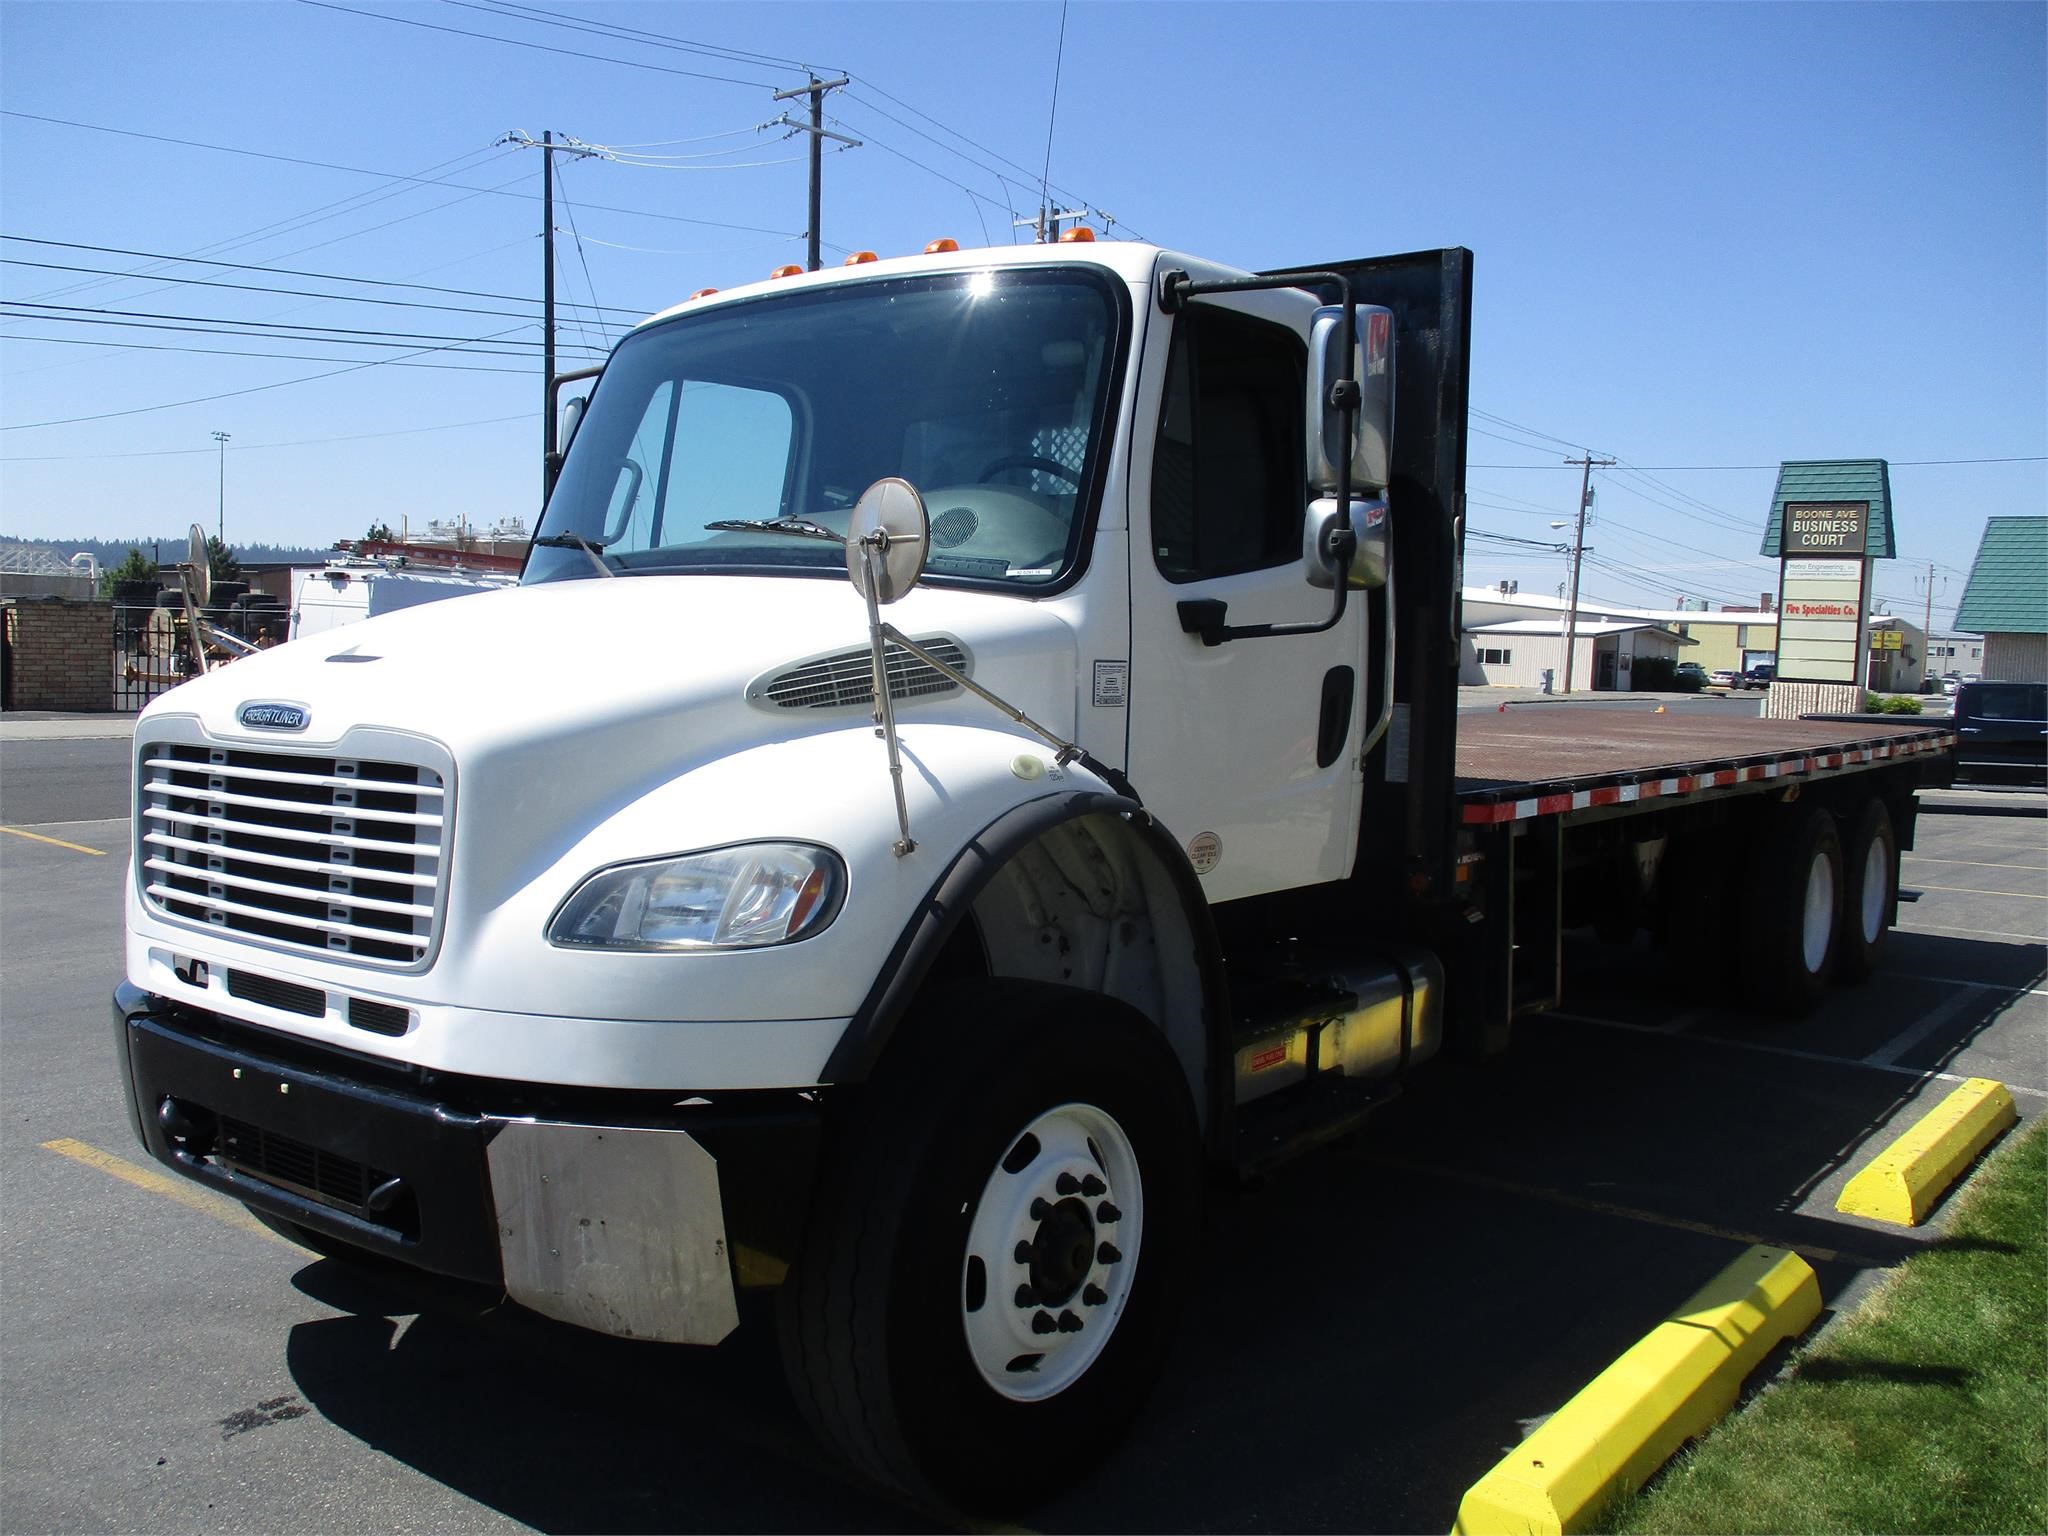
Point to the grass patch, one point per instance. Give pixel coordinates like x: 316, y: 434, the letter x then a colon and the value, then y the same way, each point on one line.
x: 1926, y: 1410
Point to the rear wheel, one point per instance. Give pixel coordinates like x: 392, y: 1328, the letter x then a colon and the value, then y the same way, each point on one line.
x: 996, y: 1258
x: 1871, y: 874
x: 1792, y: 910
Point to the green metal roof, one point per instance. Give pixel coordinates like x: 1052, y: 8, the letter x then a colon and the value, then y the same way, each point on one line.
x: 2007, y: 592
x: 1836, y: 480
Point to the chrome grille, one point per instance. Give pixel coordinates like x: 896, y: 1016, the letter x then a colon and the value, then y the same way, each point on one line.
x: 847, y: 678
x: 336, y: 856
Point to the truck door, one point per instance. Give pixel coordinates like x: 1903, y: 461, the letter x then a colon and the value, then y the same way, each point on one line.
x: 1243, y: 750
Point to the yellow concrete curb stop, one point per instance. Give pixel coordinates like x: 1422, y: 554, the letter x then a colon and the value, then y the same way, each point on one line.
x: 1670, y: 1387
x: 1902, y: 1183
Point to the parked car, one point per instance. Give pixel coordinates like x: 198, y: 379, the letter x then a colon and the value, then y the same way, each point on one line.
x: 1724, y: 677
x: 2002, y: 730
x: 1692, y: 669
x: 1950, y: 684
x: 1762, y: 675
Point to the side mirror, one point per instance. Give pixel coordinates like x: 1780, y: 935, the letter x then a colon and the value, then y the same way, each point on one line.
x: 888, y: 535
x: 572, y: 418
x: 1372, y: 366
x: 1367, y: 521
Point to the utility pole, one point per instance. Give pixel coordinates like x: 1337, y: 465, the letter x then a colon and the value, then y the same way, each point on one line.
x: 1927, y: 627
x: 1571, y: 614
x: 221, y: 533
x: 548, y: 150
x: 819, y: 134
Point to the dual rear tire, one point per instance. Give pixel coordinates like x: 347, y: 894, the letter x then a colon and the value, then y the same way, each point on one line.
x: 1818, y: 904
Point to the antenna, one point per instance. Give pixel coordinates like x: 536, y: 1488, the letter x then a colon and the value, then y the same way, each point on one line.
x: 1052, y: 117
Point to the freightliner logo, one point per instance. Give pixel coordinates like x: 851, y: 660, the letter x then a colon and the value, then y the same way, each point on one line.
x: 273, y: 717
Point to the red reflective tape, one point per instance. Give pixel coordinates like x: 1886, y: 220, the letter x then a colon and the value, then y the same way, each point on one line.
x: 1550, y: 805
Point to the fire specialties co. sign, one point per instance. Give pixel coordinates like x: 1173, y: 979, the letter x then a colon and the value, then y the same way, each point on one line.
x: 1822, y: 591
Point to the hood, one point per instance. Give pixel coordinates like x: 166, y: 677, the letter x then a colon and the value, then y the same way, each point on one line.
x: 562, y: 699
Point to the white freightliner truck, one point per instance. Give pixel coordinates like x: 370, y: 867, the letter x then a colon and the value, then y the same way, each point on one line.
x: 614, y: 942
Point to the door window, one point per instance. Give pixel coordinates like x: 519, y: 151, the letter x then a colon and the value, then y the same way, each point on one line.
x: 1229, y: 475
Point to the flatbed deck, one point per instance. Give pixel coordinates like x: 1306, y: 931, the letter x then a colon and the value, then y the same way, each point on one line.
x: 1554, y: 759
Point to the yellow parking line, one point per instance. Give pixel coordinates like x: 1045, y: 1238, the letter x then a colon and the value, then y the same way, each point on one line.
x: 56, y: 842
x: 188, y: 1195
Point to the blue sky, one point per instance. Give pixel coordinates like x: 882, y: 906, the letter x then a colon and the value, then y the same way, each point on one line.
x: 1719, y: 235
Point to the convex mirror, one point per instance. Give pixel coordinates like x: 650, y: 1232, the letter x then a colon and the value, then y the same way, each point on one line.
x: 198, y: 568
x: 1370, y: 553
x: 890, y: 520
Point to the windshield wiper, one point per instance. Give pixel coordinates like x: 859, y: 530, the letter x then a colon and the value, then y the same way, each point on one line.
x: 794, y: 527
x: 597, y: 556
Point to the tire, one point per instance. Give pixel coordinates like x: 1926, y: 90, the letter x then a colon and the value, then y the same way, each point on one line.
x: 1791, y: 911
x: 1870, y: 868
x: 996, y: 1258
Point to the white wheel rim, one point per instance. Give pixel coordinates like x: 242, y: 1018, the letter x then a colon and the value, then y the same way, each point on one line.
x: 1819, y: 922
x: 1045, y: 1277
x: 1876, y: 878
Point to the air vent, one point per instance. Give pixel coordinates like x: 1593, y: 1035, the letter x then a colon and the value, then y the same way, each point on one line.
x: 272, y: 993
x: 846, y: 678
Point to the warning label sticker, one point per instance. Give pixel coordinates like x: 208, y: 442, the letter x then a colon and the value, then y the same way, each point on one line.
x: 1112, y: 682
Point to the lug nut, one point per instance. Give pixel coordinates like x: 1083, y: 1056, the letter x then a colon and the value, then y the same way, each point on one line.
x: 1041, y: 1322
x: 1040, y: 1210
x: 1067, y: 1184
x: 1069, y: 1323
x: 1108, y: 1214
x: 1092, y: 1186
x: 1109, y: 1253
x: 1026, y: 1296
x: 1094, y: 1295
x: 1024, y: 1253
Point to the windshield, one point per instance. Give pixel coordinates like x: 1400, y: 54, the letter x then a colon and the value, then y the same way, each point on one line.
x: 987, y: 391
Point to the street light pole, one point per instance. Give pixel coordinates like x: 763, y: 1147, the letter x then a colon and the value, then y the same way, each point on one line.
x: 221, y: 533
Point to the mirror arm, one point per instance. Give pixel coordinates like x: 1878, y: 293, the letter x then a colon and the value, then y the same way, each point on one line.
x: 1064, y: 751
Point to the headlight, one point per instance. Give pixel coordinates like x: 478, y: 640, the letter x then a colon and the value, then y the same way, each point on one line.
x: 729, y: 898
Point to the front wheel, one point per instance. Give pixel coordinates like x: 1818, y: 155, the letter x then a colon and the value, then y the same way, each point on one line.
x: 994, y: 1264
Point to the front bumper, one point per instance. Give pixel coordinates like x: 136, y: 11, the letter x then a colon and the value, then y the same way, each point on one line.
x: 632, y: 1213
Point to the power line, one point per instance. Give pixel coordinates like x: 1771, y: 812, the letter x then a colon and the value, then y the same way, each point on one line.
x: 169, y: 405
x: 326, y: 277
x: 301, y: 357
x: 298, y: 293
x: 514, y: 42
x: 357, y: 170
x: 623, y: 33
x: 265, y: 330
x: 2030, y: 458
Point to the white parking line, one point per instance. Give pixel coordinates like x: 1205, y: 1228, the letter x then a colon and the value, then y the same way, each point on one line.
x: 1957, y: 981
x: 1974, y: 933
x: 1786, y: 1050
x: 1971, y: 890
x: 1888, y: 1053
x: 1979, y: 863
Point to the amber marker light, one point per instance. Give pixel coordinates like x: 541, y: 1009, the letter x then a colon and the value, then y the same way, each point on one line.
x: 789, y: 271
x: 941, y: 246
x: 1080, y: 234
x: 859, y: 258
x: 703, y: 293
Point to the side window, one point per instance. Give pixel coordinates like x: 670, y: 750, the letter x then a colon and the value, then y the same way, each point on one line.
x: 732, y: 450
x: 1228, y: 478
x: 630, y: 508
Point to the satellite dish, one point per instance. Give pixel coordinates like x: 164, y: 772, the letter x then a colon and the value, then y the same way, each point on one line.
x: 889, y: 520
x: 198, y: 568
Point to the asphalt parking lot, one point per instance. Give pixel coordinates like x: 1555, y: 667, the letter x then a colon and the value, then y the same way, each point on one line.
x: 1375, y: 1327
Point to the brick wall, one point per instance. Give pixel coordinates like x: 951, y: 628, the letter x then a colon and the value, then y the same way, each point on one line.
x: 61, y: 654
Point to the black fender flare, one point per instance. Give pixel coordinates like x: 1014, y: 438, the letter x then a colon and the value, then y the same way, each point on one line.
x: 946, y: 905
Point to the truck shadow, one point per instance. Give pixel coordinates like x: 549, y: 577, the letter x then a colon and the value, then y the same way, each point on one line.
x: 1369, y: 1329
x: 565, y: 1430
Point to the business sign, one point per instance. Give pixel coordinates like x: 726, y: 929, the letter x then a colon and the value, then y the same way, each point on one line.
x: 1887, y: 639
x: 1824, y: 528
x: 1821, y: 633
